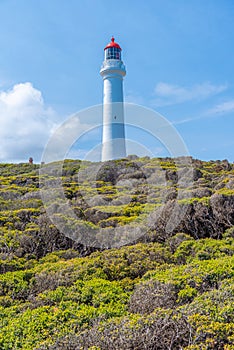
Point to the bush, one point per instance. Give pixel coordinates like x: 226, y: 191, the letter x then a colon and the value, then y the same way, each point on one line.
x: 160, y: 330
x: 151, y: 295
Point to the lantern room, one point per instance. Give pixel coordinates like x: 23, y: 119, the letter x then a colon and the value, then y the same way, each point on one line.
x: 112, y: 51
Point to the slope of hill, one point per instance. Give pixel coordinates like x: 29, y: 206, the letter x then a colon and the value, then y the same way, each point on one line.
x: 166, y: 289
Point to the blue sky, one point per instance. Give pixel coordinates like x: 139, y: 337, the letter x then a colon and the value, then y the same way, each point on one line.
x: 179, y: 57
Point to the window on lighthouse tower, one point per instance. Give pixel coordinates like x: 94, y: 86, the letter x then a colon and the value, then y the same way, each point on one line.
x: 113, y: 53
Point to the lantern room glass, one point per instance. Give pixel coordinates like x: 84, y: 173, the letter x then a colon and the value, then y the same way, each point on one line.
x: 113, y: 53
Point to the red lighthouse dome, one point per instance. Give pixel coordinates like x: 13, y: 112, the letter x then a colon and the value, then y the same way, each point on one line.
x: 112, y: 44
x: 112, y: 50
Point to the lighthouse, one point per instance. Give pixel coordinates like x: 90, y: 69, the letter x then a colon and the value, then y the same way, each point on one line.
x: 113, y: 133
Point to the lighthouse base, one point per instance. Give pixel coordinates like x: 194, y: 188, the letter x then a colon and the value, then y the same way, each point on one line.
x: 114, y: 149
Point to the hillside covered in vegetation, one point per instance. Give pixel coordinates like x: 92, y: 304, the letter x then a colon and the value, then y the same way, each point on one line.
x: 171, y: 286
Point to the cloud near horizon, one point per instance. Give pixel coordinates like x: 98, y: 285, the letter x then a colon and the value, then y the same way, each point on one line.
x: 168, y: 94
x: 26, y: 123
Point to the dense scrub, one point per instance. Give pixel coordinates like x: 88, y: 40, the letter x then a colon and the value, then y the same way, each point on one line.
x: 168, y: 289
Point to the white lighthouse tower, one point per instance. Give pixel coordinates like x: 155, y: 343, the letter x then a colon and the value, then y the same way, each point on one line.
x: 112, y: 72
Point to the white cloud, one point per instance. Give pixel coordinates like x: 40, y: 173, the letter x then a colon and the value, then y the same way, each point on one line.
x: 216, y: 111
x: 222, y: 108
x: 168, y: 94
x: 131, y: 97
x: 26, y: 123
x: 186, y: 120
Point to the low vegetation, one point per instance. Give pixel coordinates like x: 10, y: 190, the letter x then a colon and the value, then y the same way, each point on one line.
x: 166, y: 289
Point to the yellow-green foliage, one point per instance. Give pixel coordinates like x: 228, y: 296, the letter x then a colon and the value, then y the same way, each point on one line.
x: 68, y: 294
x: 50, y: 295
